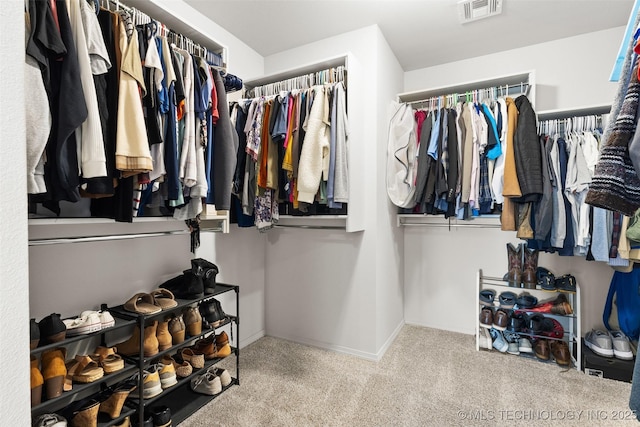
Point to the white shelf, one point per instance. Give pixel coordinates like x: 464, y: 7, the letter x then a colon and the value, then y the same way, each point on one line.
x: 482, y: 221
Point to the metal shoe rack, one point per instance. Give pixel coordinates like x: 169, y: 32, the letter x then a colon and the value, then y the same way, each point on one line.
x: 181, y: 400
x: 570, y: 322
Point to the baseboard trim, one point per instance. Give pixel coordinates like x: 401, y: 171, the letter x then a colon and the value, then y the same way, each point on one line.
x: 389, y: 341
x: 465, y: 331
x: 255, y: 337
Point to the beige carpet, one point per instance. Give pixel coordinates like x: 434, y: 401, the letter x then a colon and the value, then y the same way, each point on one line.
x: 427, y: 378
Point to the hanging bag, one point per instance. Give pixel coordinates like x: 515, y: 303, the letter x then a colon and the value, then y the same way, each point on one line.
x: 625, y: 287
x: 401, y: 157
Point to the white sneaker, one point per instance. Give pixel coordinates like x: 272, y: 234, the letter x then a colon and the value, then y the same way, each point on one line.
x: 106, y: 319
x: 86, y: 324
x: 621, y: 345
x: 484, y: 339
x: 524, y: 345
x: 207, y: 383
x: 599, y: 342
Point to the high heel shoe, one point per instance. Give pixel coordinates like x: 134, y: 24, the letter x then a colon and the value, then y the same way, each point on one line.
x: 87, y: 415
x: 36, y: 383
x: 54, y: 372
x: 114, y: 403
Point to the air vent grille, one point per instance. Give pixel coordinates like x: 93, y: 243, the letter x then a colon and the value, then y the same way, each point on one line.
x: 472, y: 10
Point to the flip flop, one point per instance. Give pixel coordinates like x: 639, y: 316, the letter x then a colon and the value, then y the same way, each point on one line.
x: 164, y: 298
x: 142, y: 303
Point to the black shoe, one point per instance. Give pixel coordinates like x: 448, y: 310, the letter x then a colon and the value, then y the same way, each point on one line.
x: 34, y: 334
x: 207, y: 271
x: 185, y: 286
x: 147, y: 422
x: 161, y: 416
x: 212, y: 312
x: 517, y: 322
x: 52, y: 329
x: 535, y: 323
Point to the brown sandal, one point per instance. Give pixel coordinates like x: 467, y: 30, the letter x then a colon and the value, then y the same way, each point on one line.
x: 142, y: 303
x: 164, y: 298
x: 83, y: 369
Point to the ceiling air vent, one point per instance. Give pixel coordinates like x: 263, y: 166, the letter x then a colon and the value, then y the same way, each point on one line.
x: 472, y: 10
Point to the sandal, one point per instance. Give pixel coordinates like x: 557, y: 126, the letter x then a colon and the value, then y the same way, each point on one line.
x: 83, y: 369
x: 142, y: 303
x: 107, y: 358
x: 164, y: 298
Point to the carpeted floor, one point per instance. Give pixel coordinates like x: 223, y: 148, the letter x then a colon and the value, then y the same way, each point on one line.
x: 427, y: 377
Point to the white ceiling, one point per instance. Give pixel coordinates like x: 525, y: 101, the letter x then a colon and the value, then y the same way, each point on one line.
x: 422, y: 33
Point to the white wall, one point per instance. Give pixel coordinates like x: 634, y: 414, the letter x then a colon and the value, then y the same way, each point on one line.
x: 14, y: 304
x: 440, y: 265
x: 570, y: 73
x: 322, y: 286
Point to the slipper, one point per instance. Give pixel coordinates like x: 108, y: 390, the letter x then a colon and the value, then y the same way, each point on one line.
x: 83, y: 369
x: 164, y: 298
x: 142, y: 303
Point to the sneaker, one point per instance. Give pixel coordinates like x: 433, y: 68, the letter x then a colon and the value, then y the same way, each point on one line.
x: 512, y: 340
x: 225, y: 376
x: 484, y: 339
x: 151, y: 382
x: 599, y: 342
x: 207, y: 383
x: 82, y: 325
x: 167, y: 373
x: 621, y: 345
x: 486, y: 317
x: 498, y: 340
x: 524, y: 345
x: 50, y: 420
x: 161, y: 416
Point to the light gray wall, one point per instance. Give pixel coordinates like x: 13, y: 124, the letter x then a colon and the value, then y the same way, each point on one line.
x: 440, y: 265
x: 14, y: 303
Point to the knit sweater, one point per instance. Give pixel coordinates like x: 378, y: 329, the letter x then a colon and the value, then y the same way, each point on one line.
x: 615, y: 185
x: 315, y: 150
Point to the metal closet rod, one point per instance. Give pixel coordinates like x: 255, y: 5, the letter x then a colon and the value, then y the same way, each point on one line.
x: 413, y: 224
x: 312, y: 227
x: 110, y: 237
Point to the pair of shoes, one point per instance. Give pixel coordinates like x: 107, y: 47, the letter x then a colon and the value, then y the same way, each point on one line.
x: 182, y: 370
x: 131, y: 347
x: 497, y: 320
x: 213, y: 346
x: 211, y: 311
x: 83, y: 369
x: 517, y: 321
x: 207, y: 271
x: 194, y: 359
x: 52, y: 329
x: 211, y: 381
x: 559, y: 305
x: 151, y: 303
x: 50, y: 420
x: 609, y: 344
x: 89, y: 321
x: 167, y: 374
x: 112, y: 399
x: 108, y: 359
x: 523, y: 263
x: 560, y: 351
x: 499, y: 342
x: 194, y: 283
x: 541, y: 349
x: 151, y: 385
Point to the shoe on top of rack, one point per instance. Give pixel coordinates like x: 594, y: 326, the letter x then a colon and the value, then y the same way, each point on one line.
x: 507, y: 300
x: 566, y: 283
x: 621, y: 345
x: 546, y: 279
x: 185, y: 286
x: 560, y: 351
x: 83, y: 325
x: 599, y: 342
x: 486, y: 297
x: 524, y: 345
x: 499, y: 342
x: 484, y: 339
x: 486, y: 317
x: 500, y: 319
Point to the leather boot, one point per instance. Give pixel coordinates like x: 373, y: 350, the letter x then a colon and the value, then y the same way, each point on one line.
x: 177, y: 329
x: 529, y: 278
x: 54, y: 372
x: 185, y: 286
x: 131, y: 347
x: 36, y: 383
x: 212, y: 312
x: 193, y: 321
x: 514, y: 274
x: 163, y: 335
x: 207, y: 271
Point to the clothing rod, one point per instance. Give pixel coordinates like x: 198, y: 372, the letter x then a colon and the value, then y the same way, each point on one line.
x: 109, y: 237
x: 504, y: 90
x: 312, y: 227
x: 404, y: 224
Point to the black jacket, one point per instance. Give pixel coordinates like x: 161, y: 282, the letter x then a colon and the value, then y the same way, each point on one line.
x: 527, y: 153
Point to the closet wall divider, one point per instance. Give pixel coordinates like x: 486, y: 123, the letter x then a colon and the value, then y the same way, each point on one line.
x: 354, y: 219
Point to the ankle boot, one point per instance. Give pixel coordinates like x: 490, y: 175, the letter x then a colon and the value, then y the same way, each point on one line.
x: 131, y: 347
x: 36, y: 383
x: 193, y: 321
x: 177, y: 329
x: 114, y: 403
x: 514, y: 274
x: 207, y: 271
x: 52, y: 329
x: 163, y: 335
x: 54, y: 372
x: 87, y: 416
x: 34, y: 334
x: 185, y: 286
x: 529, y: 278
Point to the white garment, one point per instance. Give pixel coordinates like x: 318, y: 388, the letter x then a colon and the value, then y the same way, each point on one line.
x: 341, y: 171
x: 401, y: 157
x: 315, y: 150
x: 188, y: 168
x: 98, y: 54
x: 91, y: 157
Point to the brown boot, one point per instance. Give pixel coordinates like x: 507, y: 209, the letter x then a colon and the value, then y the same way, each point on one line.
x: 529, y: 278
x: 54, y: 372
x: 163, y: 335
x: 514, y: 275
x: 131, y: 347
x: 36, y: 383
x: 177, y: 329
